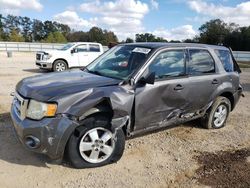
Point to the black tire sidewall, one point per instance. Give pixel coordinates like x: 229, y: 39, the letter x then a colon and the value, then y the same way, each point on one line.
x: 59, y: 61
x: 72, y: 148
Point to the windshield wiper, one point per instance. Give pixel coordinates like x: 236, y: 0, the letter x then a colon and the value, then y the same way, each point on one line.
x: 99, y: 73
x: 93, y: 72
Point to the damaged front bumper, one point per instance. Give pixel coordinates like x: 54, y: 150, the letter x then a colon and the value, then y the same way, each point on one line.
x: 48, y: 136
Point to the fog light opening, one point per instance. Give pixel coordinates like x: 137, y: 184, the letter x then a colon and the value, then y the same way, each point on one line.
x: 32, y: 142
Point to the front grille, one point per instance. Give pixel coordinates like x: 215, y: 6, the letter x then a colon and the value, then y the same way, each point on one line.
x: 20, y: 106
x: 39, y: 57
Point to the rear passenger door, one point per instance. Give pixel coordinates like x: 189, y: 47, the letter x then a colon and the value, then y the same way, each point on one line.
x: 203, y: 79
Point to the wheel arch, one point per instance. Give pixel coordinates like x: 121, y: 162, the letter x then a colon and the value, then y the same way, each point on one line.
x: 118, y: 119
x: 62, y: 60
x: 103, y: 107
x: 230, y: 97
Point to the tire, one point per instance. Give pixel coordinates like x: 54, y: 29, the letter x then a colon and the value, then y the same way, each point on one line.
x: 216, y: 116
x: 59, y: 65
x: 81, y: 140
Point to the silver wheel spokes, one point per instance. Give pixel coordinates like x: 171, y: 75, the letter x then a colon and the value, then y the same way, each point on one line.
x: 96, y: 145
x: 60, y: 67
x: 220, y: 115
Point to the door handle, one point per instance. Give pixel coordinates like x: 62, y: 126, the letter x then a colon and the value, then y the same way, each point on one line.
x: 178, y: 87
x: 215, y: 81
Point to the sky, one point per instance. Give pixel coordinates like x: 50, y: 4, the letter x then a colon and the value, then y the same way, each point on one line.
x: 170, y: 19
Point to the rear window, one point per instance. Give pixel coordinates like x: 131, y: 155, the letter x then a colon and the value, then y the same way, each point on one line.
x: 226, y: 59
x: 200, y: 62
x: 94, y: 48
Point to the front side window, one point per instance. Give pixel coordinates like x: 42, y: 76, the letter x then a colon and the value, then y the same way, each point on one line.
x: 120, y: 62
x: 168, y: 64
x: 200, y: 62
x: 94, y: 48
x: 226, y: 59
x: 67, y: 46
x: 82, y: 48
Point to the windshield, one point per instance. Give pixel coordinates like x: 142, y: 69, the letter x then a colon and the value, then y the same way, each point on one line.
x: 120, y: 62
x: 67, y: 46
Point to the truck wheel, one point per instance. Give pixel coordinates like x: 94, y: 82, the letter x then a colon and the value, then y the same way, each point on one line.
x: 216, y: 116
x: 94, y: 144
x: 59, y: 65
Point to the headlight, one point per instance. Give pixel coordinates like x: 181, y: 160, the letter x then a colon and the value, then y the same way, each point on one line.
x: 38, y: 110
x: 47, y: 56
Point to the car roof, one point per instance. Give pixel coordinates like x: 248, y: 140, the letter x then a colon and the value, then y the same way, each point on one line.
x: 156, y: 45
x: 85, y: 43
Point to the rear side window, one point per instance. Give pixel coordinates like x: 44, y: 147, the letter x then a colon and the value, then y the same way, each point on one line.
x: 200, y: 62
x: 94, y: 48
x: 226, y: 59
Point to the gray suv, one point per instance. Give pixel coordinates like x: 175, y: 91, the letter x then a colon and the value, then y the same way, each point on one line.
x: 85, y: 115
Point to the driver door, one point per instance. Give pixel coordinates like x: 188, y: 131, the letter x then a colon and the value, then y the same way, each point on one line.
x: 161, y: 104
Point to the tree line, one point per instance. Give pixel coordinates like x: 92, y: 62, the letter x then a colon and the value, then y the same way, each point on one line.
x: 214, y: 32
x: 230, y: 35
x: 24, y: 29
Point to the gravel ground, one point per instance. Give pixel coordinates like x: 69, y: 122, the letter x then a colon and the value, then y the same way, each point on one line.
x: 174, y: 157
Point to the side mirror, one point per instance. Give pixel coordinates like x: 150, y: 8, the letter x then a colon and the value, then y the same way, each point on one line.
x: 73, y: 51
x: 149, y: 79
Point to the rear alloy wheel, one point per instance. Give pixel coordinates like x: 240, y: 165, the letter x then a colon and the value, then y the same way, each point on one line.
x: 220, y: 115
x: 217, y: 114
x: 59, y: 66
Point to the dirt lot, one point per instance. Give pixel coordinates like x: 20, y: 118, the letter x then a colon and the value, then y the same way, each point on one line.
x: 183, y: 156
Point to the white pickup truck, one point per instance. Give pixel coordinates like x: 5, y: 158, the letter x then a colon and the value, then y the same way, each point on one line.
x: 78, y: 54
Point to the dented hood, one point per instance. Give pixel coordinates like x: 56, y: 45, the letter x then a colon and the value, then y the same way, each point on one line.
x: 45, y: 87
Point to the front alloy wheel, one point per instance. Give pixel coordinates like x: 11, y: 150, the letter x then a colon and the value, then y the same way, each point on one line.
x: 97, y: 145
x: 93, y: 144
x: 59, y: 65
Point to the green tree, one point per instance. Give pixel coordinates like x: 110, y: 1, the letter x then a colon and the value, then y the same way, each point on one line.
x: 64, y: 29
x: 174, y: 41
x: 96, y: 35
x: 12, y: 23
x: 15, y: 36
x: 148, y: 37
x: 109, y: 37
x: 49, y: 27
x: 239, y: 39
x: 144, y: 37
x: 56, y: 37
x: 129, y: 40
x: 38, y: 30
x: 214, y: 32
x: 78, y: 36
x: 26, y: 25
x: 1, y: 27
